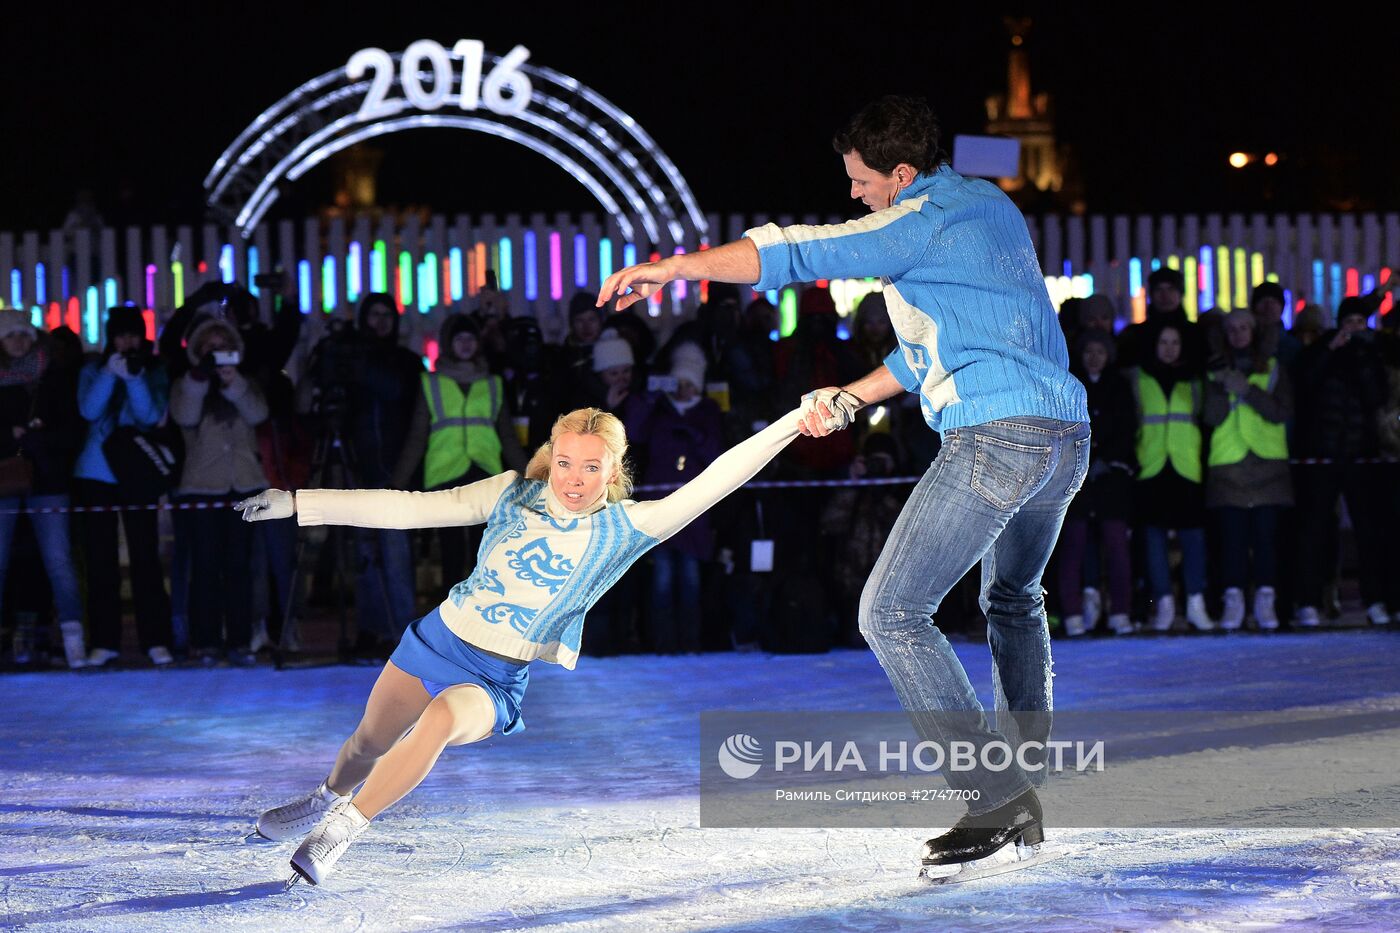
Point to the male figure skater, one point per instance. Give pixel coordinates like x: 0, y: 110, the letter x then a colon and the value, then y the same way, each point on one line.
x: 979, y: 342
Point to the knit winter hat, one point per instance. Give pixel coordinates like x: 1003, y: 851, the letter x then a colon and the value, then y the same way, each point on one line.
x: 611, y: 350
x: 688, y: 364
x: 15, y: 321
x: 1353, y: 307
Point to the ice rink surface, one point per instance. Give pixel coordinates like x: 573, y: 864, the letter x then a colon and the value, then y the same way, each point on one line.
x: 125, y: 797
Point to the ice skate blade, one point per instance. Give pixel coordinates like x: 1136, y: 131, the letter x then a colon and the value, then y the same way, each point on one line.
x: 1007, y: 859
x: 292, y: 881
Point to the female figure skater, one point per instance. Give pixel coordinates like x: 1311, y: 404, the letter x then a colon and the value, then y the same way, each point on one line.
x: 555, y: 540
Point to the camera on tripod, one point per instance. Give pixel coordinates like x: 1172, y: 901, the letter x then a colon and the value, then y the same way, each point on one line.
x: 340, y: 363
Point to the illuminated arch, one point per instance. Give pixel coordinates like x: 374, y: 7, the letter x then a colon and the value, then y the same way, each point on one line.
x: 567, y: 122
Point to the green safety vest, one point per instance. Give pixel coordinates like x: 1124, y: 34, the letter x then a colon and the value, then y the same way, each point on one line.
x: 1168, y: 429
x: 463, y: 428
x: 1245, y: 431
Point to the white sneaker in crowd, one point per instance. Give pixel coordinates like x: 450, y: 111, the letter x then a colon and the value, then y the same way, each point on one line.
x: 160, y: 656
x: 259, y: 641
x: 100, y: 656
x: 1074, y: 625
x: 1307, y: 617
x: 1093, y: 608
x: 74, y: 648
x: 1120, y: 624
x: 1264, y: 613
x: 1164, y: 614
x: 1196, y: 613
x: 1232, y: 613
x: 1377, y: 614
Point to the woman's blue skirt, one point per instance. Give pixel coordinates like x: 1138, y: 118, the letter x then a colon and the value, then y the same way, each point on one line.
x: 431, y: 652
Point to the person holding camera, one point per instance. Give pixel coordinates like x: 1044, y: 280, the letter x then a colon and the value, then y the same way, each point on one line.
x: 126, y: 387
x: 218, y: 408
x: 39, y: 436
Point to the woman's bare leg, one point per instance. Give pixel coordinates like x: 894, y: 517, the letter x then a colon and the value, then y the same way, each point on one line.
x: 394, y: 705
x: 458, y: 716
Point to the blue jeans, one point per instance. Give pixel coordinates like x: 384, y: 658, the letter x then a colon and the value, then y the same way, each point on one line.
x: 384, y: 583
x: 996, y: 492
x: 1248, y: 538
x: 675, y: 601
x: 51, y: 530
x: 1193, y: 560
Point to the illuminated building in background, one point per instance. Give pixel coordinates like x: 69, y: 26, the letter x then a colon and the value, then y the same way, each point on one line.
x: 1029, y: 118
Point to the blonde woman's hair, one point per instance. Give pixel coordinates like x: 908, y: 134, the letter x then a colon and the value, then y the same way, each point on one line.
x: 600, y: 424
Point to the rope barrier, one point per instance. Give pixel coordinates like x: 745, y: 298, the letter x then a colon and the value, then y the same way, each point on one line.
x: 650, y: 487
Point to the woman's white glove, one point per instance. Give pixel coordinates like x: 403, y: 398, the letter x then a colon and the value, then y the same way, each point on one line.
x: 268, y: 505
x: 841, y: 404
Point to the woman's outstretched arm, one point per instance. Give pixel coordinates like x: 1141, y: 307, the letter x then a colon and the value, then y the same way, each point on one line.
x: 382, y: 508
x: 662, y: 518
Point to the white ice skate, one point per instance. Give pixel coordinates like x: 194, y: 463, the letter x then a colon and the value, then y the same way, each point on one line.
x: 315, y: 858
x: 298, y: 817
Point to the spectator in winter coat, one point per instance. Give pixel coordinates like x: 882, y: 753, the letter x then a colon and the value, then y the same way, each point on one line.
x: 127, y: 387
x: 219, y: 410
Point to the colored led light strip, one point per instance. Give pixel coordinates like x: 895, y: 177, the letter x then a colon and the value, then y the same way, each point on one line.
x: 787, y: 312
x: 1134, y: 276
x: 580, y: 261
x: 605, y: 258
x: 1319, y: 281
x: 1190, y: 299
x: 430, y: 353
x: 556, y: 268
x: 495, y: 264
x: 304, y: 286
x: 1155, y: 264
x: 1173, y: 262
x: 1288, y: 308
x: 532, y: 278
x: 1338, y: 293
x: 454, y: 258
x: 93, y: 315
x: 1205, y: 276
x: 405, y: 280
x: 1388, y: 301
x: 16, y: 288
x: 66, y: 282
x: 177, y: 277
x: 428, y: 290
x: 1241, y: 279
x: 1353, y: 278
x: 479, y: 277
x: 328, y: 284
x: 354, y: 272
x: 151, y: 285
x: 1222, y: 278
x: 111, y: 288
x: 36, y: 317
x: 1256, y: 269
x: 226, y: 263
x: 379, y: 268
x: 505, y: 275
x: 447, y: 281
x: 629, y: 255
x: 41, y: 286
x: 253, y: 269
x: 75, y: 315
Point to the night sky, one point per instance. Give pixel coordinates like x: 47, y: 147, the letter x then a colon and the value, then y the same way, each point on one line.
x: 136, y: 106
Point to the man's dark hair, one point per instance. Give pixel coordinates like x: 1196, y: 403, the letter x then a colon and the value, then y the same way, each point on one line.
x: 892, y: 130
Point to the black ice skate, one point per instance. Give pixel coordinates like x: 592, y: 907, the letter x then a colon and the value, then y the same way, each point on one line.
x: 1004, y: 839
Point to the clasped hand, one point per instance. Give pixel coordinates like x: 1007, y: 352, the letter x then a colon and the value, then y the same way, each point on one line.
x: 267, y: 505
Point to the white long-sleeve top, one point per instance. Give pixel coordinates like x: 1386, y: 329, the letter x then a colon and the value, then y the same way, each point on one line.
x: 541, y: 567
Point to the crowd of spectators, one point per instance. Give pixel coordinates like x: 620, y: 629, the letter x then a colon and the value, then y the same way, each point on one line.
x: 1228, y: 439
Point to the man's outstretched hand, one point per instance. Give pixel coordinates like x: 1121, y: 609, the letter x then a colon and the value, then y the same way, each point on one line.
x: 644, y: 280
x: 828, y: 410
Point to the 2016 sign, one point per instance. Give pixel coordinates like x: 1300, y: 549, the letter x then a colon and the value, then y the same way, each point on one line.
x: 425, y: 54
